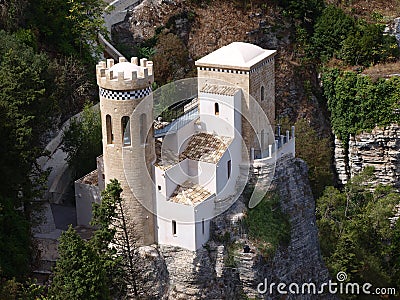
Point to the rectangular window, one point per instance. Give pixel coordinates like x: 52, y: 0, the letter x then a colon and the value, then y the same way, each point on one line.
x: 159, y: 188
x: 173, y: 227
x: 216, y: 109
x: 229, y: 166
x: 202, y: 226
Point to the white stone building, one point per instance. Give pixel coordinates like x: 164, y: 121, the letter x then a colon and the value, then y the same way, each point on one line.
x: 177, y: 178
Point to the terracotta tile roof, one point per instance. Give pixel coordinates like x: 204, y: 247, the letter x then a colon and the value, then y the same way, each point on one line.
x: 219, y: 89
x: 206, y: 147
x: 90, y: 179
x: 189, y: 193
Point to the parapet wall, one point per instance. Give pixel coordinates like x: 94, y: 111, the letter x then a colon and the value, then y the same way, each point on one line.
x: 140, y: 78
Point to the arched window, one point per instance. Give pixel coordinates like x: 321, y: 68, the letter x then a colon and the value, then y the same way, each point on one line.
x: 229, y: 166
x: 262, y: 93
x: 142, y: 128
x: 216, y: 109
x: 110, y: 136
x: 126, y: 131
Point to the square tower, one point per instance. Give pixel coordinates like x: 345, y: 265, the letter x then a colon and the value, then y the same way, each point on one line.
x: 252, y: 69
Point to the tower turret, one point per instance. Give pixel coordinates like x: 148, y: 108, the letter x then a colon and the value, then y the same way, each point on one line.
x: 126, y: 107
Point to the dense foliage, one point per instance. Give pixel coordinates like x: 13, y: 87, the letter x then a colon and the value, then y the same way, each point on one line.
x: 306, y: 11
x: 82, y: 141
x: 68, y: 26
x: 44, y: 57
x: 330, y: 30
x: 354, y: 41
x: 317, y: 153
x: 357, y: 236
x: 267, y: 225
x: 368, y: 45
x: 14, y: 240
x: 357, y: 103
x: 80, y: 272
x: 91, y: 269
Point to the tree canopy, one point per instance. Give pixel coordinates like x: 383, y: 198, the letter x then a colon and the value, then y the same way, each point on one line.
x: 356, y: 233
x: 357, y: 103
x: 82, y: 141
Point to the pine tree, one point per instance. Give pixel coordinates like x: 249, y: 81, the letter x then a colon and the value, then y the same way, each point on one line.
x: 114, y: 230
x: 80, y: 272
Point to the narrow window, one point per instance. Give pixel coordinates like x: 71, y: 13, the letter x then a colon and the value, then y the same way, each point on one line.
x: 229, y: 165
x: 262, y: 140
x: 173, y: 227
x: 126, y: 131
x: 110, y: 137
x: 202, y: 226
x: 262, y: 93
x: 216, y: 109
x: 159, y: 188
x: 142, y: 128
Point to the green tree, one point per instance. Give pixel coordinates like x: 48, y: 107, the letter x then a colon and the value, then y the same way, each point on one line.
x: 356, y: 233
x: 73, y: 85
x: 113, y: 228
x: 306, y: 11
x: 12, y: 14
x: 25, y: 110
x: 15, y: 244
x: 330, y: 30
x: 80, y: 272
x: 368, y: 45
x: 71, y: 27
x: 82, y: 141
x: 105, y: 266
x: 267, y: 225
x: 87, y: 22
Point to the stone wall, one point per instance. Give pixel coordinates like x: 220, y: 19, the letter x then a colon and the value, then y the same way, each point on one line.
x: 379, y: 148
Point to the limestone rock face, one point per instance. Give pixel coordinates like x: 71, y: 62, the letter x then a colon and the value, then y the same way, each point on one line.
x: 301, y: 261
x: 341, y: 161
x: 379, y: 148
x: 153, y: 274
x: 216, y: 272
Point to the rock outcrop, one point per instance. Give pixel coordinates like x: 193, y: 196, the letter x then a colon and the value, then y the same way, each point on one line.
x: 378, y: 148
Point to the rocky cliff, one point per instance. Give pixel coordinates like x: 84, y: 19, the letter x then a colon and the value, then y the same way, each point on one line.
x: 378, y: 148
x: 218, y: 271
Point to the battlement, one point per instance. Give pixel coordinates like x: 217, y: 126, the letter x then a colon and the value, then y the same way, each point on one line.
x: 124, y: 75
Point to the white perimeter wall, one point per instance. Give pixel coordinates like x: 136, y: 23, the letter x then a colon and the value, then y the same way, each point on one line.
x: 85, y: 196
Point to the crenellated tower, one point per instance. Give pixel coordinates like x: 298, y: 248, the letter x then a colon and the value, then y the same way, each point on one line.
x: 126, y: 106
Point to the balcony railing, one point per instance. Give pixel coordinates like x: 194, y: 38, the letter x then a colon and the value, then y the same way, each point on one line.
x: 178, y: 123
